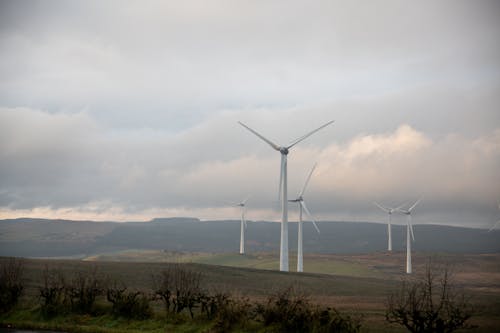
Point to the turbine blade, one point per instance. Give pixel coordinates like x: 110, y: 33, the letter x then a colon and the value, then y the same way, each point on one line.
x: 385, y: 209
x: 316, y: 227
x: 401, y: 206
x: 246, y: 199
x: 307, y: 180
x: 272, y: 144
x: 309, y: 134
x: 303, y: 204
x: 414, y: 205
x: 494, y: 226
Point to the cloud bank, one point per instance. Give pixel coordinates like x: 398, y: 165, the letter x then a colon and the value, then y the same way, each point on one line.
x: 128, y: 111
x: 63, y: 164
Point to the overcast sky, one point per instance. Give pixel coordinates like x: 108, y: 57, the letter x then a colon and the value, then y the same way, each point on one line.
x: 128, y: 110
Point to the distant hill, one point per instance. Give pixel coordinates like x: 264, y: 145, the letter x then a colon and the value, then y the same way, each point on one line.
x: 58, y: 238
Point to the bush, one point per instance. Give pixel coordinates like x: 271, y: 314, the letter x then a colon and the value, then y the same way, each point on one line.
x: 11, y: 283
x: 228, y: 312
x: 52, y: 293
x: 287, y: 310
x: 290, y: 311
x: 430, y: 304
x: 179, y: 289
x: 332, y: 321
x: 211, y: 304
x: 128, y: 304
x: 83, y: 290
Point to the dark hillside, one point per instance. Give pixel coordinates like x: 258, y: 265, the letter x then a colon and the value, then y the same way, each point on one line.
x: 53, y: 238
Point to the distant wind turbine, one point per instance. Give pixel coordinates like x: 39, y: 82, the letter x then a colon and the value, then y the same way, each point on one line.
x: 243, y: 225
x: 302, y: 206
x: 409, y: 229
x: 497, y: 223
x: 283, y: 189
x: 389, y: 211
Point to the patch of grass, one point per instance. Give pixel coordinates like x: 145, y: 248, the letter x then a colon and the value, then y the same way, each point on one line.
x: 31, y: 319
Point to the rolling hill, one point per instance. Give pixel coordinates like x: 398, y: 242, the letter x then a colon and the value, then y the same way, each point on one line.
x: 63, y: 238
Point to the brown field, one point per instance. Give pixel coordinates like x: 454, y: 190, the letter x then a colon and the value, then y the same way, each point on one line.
x: 362, y: 285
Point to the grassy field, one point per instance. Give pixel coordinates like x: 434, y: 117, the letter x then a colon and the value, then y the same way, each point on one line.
x: 352, y: 283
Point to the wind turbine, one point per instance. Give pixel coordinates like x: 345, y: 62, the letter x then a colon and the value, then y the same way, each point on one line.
x: 389, y: 211
x: 243, y: 226
x: 497, y: 223
x: 409, y: 229
x: 283, y: 189
x: 302, y: 206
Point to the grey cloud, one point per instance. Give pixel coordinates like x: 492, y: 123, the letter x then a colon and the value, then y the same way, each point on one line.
x: 161, y: 63
x: 130, y: 107
x: 218, y: 161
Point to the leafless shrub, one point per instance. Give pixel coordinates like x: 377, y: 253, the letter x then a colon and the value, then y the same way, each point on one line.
x: 210, y: 304
x: 230, y: 312
x: 52, y: 292
x: 289, y: 310
x: 128, y: 303
x: 11, y: 283
x: 83, y: 289
x: 179, y: 289
x: 430, y: 304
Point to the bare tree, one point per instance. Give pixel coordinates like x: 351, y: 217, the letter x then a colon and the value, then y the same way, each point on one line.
x: 128, y: 303
x: 52, y: 292
x: 84, y: 288
x: 179, y: 288
x: 11, y: 283
x: 430, y: 304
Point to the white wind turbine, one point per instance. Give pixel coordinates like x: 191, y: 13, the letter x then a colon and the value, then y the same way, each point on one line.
x: 243, y: 226
x: 497, y: 223
x: 409, y: 229
x: 389, y: 211
x: 283, y: 189
x: 302, y: 206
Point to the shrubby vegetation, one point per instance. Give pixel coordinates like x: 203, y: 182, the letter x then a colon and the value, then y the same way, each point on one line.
x: 83, y: 290
x: 430, y: 304
x: 60, y: 294
x: 11, y: 283
x: 183, y: 299
x: 427, y: 304
x: 291, y: 311
x: 128, y: 303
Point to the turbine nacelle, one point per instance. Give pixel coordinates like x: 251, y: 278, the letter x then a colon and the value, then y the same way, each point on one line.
x: 299, y: 199
x: 283, y: 150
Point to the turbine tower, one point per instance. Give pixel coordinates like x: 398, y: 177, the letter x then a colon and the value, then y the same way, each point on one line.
x: 409, y: 230
x: 302, y: 206
x: 243, y: 225
x: 389, y: 211
x: 283, y: 189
